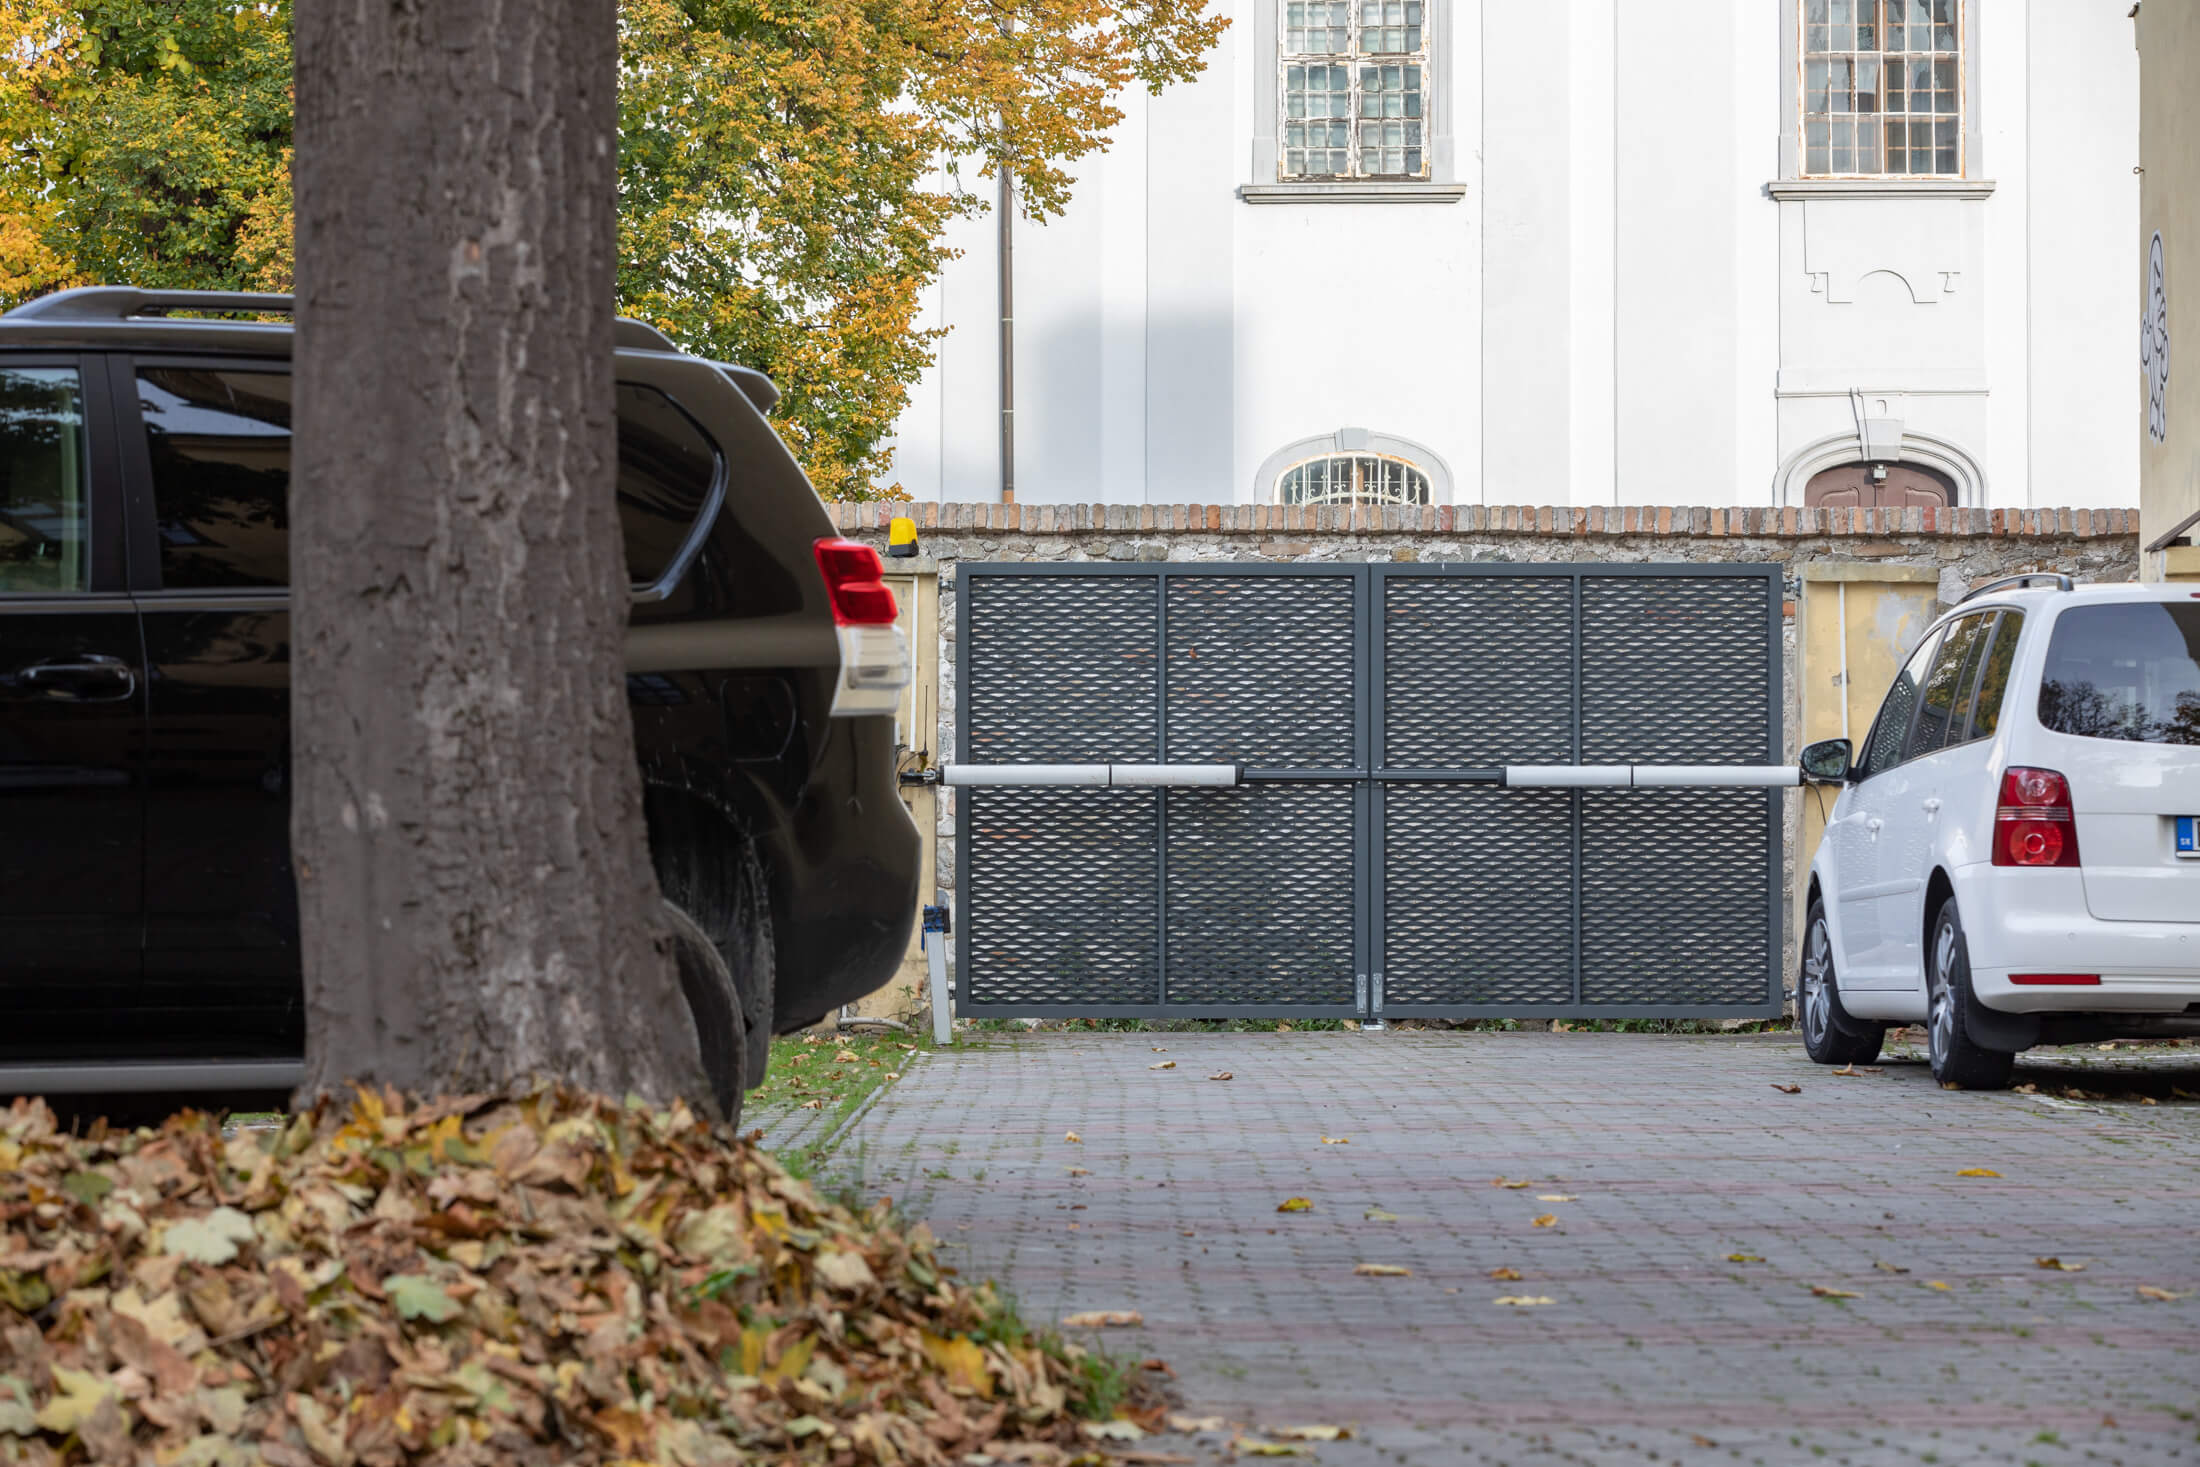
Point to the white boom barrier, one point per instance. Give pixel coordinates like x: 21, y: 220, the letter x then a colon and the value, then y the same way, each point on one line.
x: 1647, y: 776
x: 1098, y: 776
x: 1518, y: 776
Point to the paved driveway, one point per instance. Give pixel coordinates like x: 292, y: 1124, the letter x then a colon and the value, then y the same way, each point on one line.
x: 1654, y: 1159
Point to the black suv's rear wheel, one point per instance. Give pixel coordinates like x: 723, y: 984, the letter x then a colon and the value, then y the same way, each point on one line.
x: 715, y: 1002
x: 1830, y: 1036
x: 1957, y: 1060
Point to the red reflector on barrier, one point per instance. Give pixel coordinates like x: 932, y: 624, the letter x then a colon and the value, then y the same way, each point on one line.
x: 2057, y: 980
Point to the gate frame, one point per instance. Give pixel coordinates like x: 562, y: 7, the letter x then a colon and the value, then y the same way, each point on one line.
x: 1773, y: 1004
x: 1160, y: 571
x: 1369, y: 777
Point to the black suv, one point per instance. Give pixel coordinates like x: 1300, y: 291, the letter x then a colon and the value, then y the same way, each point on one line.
x: 148, y: 918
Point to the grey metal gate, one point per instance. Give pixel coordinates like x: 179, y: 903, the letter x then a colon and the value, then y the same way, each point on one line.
x: 1370, y: 860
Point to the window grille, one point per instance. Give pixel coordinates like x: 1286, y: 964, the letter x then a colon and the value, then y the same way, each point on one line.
x: 1355, y: 89
x: 1883, y: 88
x: 1352, y: 478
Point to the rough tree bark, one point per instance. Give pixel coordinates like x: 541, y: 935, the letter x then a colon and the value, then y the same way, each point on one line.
x: 475, y: 890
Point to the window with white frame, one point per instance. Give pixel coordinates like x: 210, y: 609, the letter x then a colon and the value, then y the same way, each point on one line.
x: 1883, y: 89
x: 1352, y: 478
x: 1354, y: 89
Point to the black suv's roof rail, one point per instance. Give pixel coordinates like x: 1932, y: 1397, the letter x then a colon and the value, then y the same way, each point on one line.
x: 121, y: 302
x: 2062, y: 583
x: 125, y: 302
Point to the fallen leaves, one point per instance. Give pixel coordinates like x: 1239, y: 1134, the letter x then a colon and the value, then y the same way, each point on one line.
x: 546, y: 1276
x: 1859, y: 1070
x: 1222, y: 1075
x: 1523, y: 1301
x: 1296, y: 1204
x: 1103, y: 1319
x: 1382, y: 1271
x: 1376, y: 1214
x: 1509, y: 1182
x: 1079, y: 1171
x: 1789, y: 1089
x: 1744, y: 1258
x: 1315, y: 1432
x: 1547, y: 1220
x: 1828, y: 1291
x: 2161, y: 1295
x: 1072, y: 1136
x: 2056, y: 1264
x: 1888, y: 1267
x: 1942, y: 1286
x: 1556, y: 1197
x: 1164, y: 1065
x: 1336, y: 1141
x: 1507, y: 1274
x: 1978, y: 1171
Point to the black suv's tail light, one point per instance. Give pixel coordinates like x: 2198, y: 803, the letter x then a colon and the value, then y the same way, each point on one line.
x: 854, y: 578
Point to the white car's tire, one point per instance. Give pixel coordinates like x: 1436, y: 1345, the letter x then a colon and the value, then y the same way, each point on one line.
x: 1830, y: 1035
x: 1957, y: 1059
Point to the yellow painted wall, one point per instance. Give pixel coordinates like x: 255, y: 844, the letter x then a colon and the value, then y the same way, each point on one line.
x: 917, y: 724
x: 1858, y: 622
x: 2168, y: 37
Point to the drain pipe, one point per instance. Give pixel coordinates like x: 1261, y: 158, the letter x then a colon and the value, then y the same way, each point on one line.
x: 1005, y: 207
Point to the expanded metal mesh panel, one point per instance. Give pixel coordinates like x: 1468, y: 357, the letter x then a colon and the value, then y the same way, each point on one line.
x: 1261, y: 897
x: 1477, y: 895
x: 1061, y: 669
x: 1673, y: 669
x: 1674, y: 893
x: 1261, y: 671
x: 1063, y: 898
x: 1477, y: 671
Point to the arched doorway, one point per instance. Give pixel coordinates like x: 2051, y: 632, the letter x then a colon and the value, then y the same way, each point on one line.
x: 1871, y: 486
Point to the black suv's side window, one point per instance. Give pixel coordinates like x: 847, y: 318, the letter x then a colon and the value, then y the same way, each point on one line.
x: 1937, y: 702
x: 666, y: 466
x: 1883, y: 745
x: 42, y: 479
x: 220, y: 446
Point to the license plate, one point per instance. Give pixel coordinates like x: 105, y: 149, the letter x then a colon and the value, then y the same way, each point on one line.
x: 2188, y: 836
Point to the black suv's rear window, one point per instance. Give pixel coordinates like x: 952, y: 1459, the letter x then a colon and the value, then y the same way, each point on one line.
x: 665, y: 470
x: 2129, y: 671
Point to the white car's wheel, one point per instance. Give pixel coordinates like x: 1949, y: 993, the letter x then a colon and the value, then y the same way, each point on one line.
x: 1830, y: 1035
x: 1956, y: 1059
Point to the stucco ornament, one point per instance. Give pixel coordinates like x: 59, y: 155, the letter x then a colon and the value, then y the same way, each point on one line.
x: 2154, y: 343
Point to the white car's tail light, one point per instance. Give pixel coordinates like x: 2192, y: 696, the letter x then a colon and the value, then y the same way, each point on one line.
x: 874, y: 655
x: 2033, y: 824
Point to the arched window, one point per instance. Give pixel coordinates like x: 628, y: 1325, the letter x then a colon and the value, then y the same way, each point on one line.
x: 1353, y: 478
x: 1872, y: 485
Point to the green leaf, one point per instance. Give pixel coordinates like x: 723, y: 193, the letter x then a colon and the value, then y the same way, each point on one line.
x: 87, y: 1187
x: 419, y: 1297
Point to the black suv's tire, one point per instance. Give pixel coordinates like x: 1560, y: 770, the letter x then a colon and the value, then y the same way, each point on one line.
x: 1830, y: 1035
x: 720, y: 1027
x: 716, y: 879
x: 1957, y: 1060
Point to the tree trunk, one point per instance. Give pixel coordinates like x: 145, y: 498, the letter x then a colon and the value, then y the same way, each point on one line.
x: 474, y: 884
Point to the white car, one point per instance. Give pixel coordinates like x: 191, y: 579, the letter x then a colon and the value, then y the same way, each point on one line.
x: 2014, y: 855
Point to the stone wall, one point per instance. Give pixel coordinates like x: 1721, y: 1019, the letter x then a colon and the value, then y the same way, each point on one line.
x: 1964, y: 547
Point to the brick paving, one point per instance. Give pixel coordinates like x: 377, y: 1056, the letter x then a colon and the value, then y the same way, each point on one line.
x: 1672, y: 1152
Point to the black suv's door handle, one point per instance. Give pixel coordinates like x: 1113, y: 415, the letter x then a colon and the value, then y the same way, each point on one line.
x: 91, y: 678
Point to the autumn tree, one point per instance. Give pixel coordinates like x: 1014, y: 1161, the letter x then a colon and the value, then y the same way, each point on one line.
x: 476, y: 899
x: 786, y: 171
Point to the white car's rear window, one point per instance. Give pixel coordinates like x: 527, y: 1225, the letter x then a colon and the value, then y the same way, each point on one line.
x: 2127, y: 671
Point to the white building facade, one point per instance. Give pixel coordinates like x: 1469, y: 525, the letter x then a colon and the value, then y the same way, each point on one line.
x: 1577, y: 252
